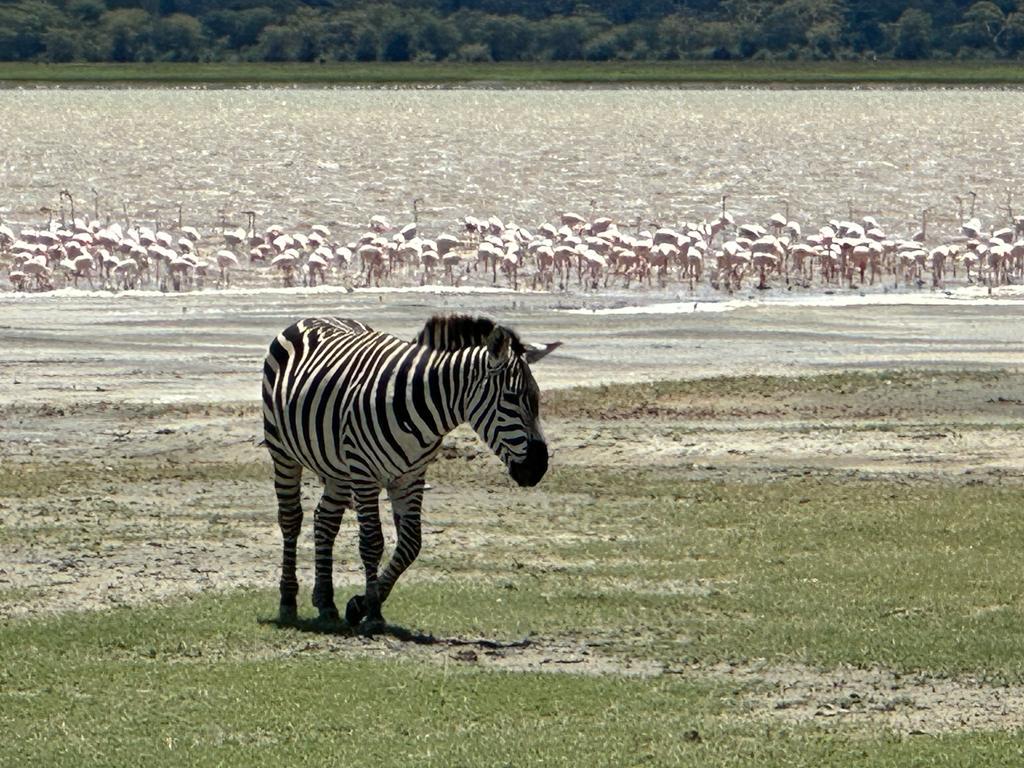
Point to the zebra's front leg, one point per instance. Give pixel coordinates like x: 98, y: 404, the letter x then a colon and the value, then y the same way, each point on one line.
x: 406, y: 504
x: 371, y: 549
x: 326, y: 521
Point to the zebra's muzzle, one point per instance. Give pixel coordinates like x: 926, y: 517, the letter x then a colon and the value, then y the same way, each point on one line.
x: 530, y: 470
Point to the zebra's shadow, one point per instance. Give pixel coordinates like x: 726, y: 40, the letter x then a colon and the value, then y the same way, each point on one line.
x: 341, y: 628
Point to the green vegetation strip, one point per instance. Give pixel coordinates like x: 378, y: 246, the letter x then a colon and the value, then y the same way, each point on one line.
x: 644, y: 399
x: 910, y: 577
x: 669, y: 73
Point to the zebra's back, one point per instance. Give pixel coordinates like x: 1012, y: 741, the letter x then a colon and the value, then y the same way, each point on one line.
x: 329, y: 401
x: 307, y: 387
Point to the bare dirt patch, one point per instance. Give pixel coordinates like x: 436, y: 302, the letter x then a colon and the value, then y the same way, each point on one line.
x: 873, y: 698
x: 530, y: 654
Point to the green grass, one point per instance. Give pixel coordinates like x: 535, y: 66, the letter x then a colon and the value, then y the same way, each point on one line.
x: 796, y: 73
x: 194, y: 684
x: 913, y: 578
x: 822, y: 571
x: 204, y: 682
x: 910, y: 577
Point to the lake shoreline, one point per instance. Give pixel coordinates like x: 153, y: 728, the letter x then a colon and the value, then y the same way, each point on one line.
x: 781, y: 75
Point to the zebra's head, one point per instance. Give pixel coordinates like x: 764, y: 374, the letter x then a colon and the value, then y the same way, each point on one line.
x: 505, y: 410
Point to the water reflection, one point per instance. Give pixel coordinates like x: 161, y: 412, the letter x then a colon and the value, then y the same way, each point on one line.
x: 305, y: 155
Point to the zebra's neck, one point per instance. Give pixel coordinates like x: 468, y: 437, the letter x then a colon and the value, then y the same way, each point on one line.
x: 466, y: 369
x: 442, y: 388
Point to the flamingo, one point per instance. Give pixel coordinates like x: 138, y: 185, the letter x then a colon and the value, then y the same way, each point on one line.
x: 234, y: 237
x: 225, y: 260
x: 317, y: 266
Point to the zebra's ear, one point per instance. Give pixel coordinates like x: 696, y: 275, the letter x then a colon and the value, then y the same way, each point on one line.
x: 535, y: 352
x: 499, y: 345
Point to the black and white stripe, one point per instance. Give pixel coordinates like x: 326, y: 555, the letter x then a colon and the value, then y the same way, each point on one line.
x: 365, y: 410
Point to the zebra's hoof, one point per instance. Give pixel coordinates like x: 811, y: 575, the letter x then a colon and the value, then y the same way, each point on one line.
x: 329, y: 614
x: 355, y: 610
x: 371, y: 626
x: 373, y: 622
x: 288, y: 614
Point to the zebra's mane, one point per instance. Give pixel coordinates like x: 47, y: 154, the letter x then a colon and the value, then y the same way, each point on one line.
x: 449, y: 333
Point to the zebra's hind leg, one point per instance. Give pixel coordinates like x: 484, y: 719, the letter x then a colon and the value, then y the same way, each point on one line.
x: 326, y: 521
x: 288, y: 486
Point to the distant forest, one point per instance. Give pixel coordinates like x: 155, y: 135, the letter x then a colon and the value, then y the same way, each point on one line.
x: 507, y: 30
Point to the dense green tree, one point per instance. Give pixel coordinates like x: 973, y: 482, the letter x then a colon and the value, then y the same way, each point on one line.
x: 278, y: 43
x: 944, y: 13
x: 397, y: 44
x: 1014, y: 38
x: 824, y: 37
x: 604, y: 47
x: 62, y: 45
x: 437, y: 38
x: 151, y: 7
x: 367, y: 45
x: 178, y: 37
x: 128, y: 32
x: 242, y: 28
x: 563, y: 38
x: 86, y: 11
x: 505, y: 30
x: 984, y: 25
x: 23, y: 27
x: 791, y: 22
x: 677, y: 35
x: 338, y: 36
x: 509, y: 38
x: 638, y: 10
x: 913, y: 35
x: 307, y: 26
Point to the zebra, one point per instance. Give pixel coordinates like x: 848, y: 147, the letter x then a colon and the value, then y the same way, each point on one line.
x: 366, y: 411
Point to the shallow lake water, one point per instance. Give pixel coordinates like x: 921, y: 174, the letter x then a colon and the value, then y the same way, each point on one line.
x: 299, y: 156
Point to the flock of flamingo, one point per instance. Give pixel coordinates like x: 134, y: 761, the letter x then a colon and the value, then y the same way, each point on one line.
x: 574, y: 253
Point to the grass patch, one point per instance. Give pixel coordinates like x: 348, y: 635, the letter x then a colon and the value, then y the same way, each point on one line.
x: 193, y: 685
x: 714, y: 73
x: 646, y: 399
x: 636, y: 563
x: 823, y: 571
x: 47, y: 480
x: 911, y: 577
x: 204, y: 683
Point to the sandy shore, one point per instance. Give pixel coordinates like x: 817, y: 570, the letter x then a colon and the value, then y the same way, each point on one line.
x: 203, y: 347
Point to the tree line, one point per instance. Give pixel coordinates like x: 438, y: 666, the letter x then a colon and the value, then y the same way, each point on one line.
x: 506, y: 30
